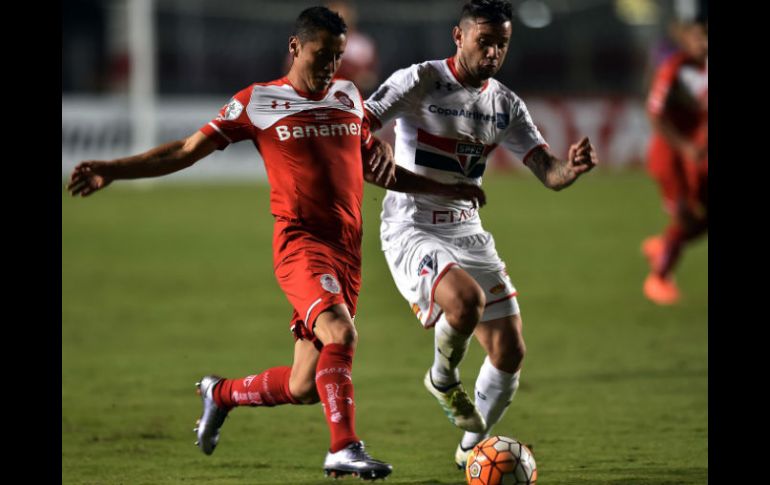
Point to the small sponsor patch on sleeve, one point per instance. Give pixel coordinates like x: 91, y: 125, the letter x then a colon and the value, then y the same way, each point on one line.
x: 427, y: 266
x: 233, y: 109
x: 330, y: 284
x: 496, y: 290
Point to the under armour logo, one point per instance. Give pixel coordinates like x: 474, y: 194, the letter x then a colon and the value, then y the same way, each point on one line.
x: 275, y: 104
x: 440, y: 85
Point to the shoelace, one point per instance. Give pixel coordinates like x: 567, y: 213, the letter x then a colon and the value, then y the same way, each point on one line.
x: 361, y: 454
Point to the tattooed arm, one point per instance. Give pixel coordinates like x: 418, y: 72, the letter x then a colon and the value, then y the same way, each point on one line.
x: 557, y: 174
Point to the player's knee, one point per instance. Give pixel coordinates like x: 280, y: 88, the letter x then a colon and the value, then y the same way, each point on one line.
x: 335, y: 327
x: 517, y: 353
x: 348, y: 336
x: 340, y: 331
x: 508, y: 355
x: 466, y: 306
x: 304, y: 391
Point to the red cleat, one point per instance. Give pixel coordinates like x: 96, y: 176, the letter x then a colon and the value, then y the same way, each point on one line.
x: 662, y: 291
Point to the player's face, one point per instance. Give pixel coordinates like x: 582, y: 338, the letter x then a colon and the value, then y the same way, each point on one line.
x: 483, y: 46
x: 316, y: 60
x: 695, y: 42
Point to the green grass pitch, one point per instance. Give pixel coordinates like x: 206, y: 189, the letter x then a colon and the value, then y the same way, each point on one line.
x: 164, y: 283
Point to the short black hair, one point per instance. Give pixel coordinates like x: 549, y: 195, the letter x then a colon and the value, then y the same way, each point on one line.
x: 313, y: 19
x: 703, y: 12
x: 495, y: 11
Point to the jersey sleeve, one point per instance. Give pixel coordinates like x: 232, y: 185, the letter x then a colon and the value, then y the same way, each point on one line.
x: 522, y: 136
x: 232, y: 124
x: 394, y: 97
x: 367, y: 139
x: 661, y: 86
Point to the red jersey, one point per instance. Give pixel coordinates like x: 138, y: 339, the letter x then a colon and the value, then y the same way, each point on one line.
x: 680, y: 94
x: 311, y: 145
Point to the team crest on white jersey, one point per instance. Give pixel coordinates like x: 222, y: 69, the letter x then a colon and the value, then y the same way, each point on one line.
x: 469, y: 155
x: 233, y: 109
x: 427, y: 266
x: 496, y: 290
x: 330, y: 284
x: 344, y: 99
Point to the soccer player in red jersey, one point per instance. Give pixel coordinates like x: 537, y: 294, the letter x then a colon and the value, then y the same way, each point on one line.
x: 313, y: 134
x: 678, y: 155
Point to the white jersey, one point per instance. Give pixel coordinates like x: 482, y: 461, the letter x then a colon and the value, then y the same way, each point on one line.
x: 445, y: 131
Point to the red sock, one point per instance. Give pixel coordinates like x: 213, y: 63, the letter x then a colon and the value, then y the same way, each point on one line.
x: 335, y: 387
x: 269, y: 388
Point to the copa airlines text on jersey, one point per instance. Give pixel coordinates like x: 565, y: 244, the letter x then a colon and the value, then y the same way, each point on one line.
x: 467, y: 114
x: 309, y: 131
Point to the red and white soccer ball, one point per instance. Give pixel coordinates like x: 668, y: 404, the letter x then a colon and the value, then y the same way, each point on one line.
x: 501, y: 461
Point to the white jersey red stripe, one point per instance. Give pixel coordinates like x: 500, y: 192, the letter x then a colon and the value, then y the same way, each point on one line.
x: 446, y: 131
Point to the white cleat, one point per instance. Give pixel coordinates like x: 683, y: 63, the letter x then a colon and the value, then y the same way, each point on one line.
x: 457, y: 406
x: 207, y: 427
x: 353, y: 460
x: 461, y: 456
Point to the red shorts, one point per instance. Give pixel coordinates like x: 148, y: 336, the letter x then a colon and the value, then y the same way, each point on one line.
x: 678, y: 179
x: 314, y: 278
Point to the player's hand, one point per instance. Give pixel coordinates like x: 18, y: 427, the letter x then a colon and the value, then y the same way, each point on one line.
x: 382, y: 163
x: 582, y: 156
x: 88, y: 177
x: 471, y: 192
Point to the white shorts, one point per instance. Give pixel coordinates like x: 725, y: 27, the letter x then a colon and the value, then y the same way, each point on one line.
x: 418, y: 260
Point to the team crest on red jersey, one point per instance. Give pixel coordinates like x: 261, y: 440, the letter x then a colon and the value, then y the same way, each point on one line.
x: 344, y: 99
x: 233, y: 109
x: 329, y: 283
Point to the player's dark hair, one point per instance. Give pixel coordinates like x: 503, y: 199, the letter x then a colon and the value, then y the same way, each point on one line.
x: 495, y: 11
x: 702, y: 16
x: 313, y: 19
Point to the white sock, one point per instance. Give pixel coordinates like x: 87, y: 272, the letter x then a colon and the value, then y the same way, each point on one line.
x: 494, y: 392
x: 450, y: 346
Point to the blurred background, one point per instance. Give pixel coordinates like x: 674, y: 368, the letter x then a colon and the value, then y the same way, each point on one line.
x: 136, y: 73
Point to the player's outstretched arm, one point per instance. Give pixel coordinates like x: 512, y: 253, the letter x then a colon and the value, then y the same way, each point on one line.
x: 411, y: 182
x: 380, y: 169
x: 557, y: 174
x: 379, y: 163
x: 93, y: 175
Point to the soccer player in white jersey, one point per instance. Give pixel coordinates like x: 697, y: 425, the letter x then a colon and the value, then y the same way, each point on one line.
x: 450, y: 114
